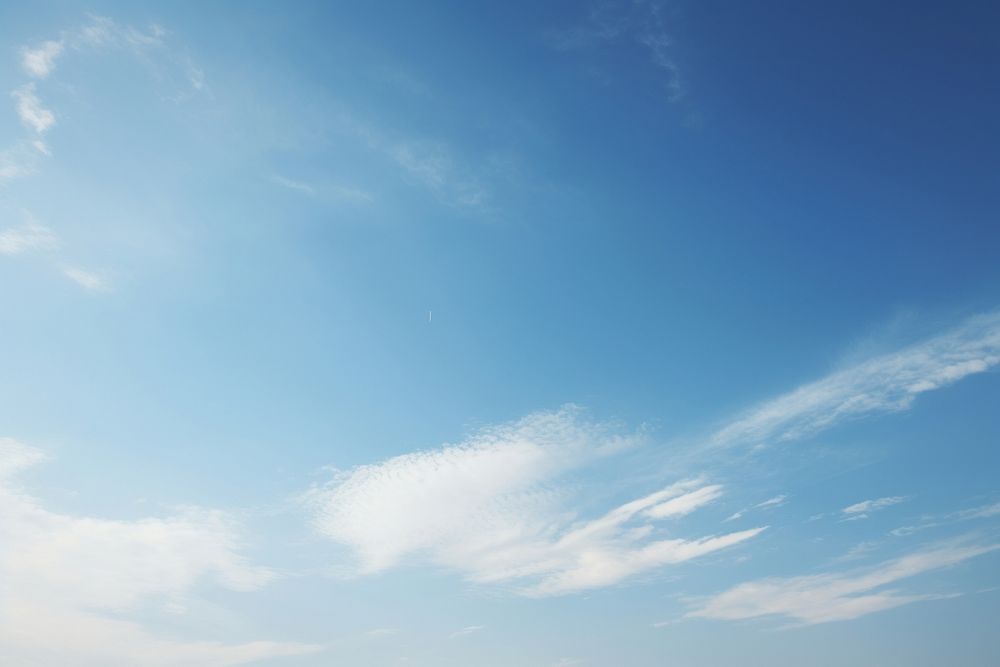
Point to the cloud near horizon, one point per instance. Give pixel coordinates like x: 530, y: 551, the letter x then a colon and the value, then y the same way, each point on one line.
x: 840, y: 596
x: 65, y: 580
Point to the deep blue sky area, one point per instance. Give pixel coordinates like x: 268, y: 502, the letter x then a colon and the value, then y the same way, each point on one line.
x: 625, y: 332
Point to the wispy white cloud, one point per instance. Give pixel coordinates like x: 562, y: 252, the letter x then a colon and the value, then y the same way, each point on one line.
x: 884, y: 384
x: 88, y: 280
x: 30, y: 109
x: 468, y: 631
x: 298, y: 186
x: 493, y: 509
x: 39, y: 61
x: 16, y: 163
x: 641, y: 24
x: 982, y: 512
x: 433, y: 166
x: 103, y: 32
x: 29, y: 237
x: 840, y: 596
x: 66, y: 582
x: 858, y: 551
x: 338, y: 194
x: 862, y: 509
x: 776, y: 501
x: 684, y: 504
x: 936, y: 520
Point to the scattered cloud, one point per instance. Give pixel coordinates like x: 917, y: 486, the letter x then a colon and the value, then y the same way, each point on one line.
x: 865, y: 507
x: 884, y: 384
x: 29, y: 237
x: 30, y: 109
x: 66, y: 581
x: 41, y: 60
x: 640, y: 24
x: 840, y: 596
x: 494, y: 509
x: 88, y: 280
x: 432, y: 166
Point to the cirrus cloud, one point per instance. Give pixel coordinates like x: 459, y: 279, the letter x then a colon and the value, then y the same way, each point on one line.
x: 494, y: 508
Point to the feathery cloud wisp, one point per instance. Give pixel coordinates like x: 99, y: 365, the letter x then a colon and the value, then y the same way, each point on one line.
x: 776, y: 501
x: 862, y: 509
x: 821, y: 598
x: 88, y: 280
x: 26, y: 238
x: 492, y: 508
x: 884, y: 384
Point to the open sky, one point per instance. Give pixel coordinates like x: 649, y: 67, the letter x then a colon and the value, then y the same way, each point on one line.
x: 499, y: 333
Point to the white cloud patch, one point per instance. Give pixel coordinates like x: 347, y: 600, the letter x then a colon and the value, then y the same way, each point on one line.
x: 30, y: 109
x: 88, y: 280
x: 822, y: 598
x: 884, y: 384
x: 29, y: 237
x: 864, y: 508
x: 66, y: 582
x: 492, y: 508
x: 41, y: 60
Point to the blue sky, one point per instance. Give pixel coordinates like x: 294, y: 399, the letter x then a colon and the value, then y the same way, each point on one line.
x: 462, y: 333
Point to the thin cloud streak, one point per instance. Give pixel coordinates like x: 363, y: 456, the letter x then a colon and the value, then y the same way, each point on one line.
x: 837, y: 596
x: 889, y: 383
x: 776, y: 501
x: 862, y: 509
x: 934, y: 521
x: 88, y: 280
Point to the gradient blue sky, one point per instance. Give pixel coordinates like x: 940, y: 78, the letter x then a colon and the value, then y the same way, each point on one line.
x: 451, y: 333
